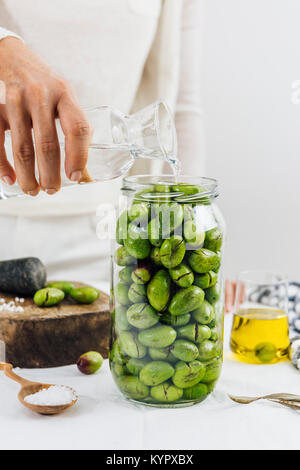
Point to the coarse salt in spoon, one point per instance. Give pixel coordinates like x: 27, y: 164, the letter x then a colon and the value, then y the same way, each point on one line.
x: 45, y: 399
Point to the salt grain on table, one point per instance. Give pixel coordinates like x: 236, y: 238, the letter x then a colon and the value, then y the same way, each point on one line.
x: 11, y: 306
x: 54, y: 396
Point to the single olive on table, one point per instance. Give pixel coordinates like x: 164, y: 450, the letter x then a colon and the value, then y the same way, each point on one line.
x: 84, y: 295
x: 167, y: 303
x: 48, y: 297
x: 90, y: 362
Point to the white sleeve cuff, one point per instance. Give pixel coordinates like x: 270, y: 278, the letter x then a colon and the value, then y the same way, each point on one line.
x: 4, y: 33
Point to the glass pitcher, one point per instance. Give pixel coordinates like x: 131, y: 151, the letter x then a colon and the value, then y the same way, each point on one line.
x: 117, y: 140
x: 167, y: 296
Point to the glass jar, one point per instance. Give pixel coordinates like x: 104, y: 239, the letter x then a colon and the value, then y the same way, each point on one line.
x: 167, y: 296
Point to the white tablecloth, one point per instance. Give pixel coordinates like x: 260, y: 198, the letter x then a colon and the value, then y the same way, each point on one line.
x: 104, y: 420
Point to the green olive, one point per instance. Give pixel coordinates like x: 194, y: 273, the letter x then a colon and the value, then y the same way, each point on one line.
x: 123, y: 258
x: 90, y: 362
x: 155, y: 232
x: 180, y: 320
x: 139, y: 211
x: 132, y: 387
x: 214, y: 334
x: 134, y: 366
x: 213, y: 294
x: 194, y: 332
x: 121, y: 230
x: 188, y: 375
x: 142, y: 315
x: 206, y: 280
x: 182, y: 275
x: 136, y: 243
x: 85, y: 295
x: 208, y: 350
x: 213, y: 240
x: 125, y: 274
x: 130, y: 345
x: 119, y: 370
x: 137, y: 293
x: 48, y: 297
x: 156, y: 372
x: 198, y: 391
x: 159, y: 290
x: 121, y: 319
x: 157, y: 337
x: 166, y: 393
x: 155, y: 256
x: 170, y: 216
x: 116, y: 355
x: 217, y: 268
x: 65, y: 286
x: 188, y: 212
x: 213, y: 371
x: 203, y: 260
x: 162, y: 354
x: 265, y: 352
x: 141, y: 274
x: 192, y: 235
x: 185, y: 350
x: 204, y: 314
x: 186, y: 300
x: 121, y: 293
x: 172, y: 251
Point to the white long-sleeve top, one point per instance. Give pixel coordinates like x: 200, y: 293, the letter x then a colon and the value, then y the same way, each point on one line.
x: 126, y: 53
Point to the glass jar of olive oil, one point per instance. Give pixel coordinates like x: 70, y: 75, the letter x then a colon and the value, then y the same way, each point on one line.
x: 167, y: 299
x: 260, y: 329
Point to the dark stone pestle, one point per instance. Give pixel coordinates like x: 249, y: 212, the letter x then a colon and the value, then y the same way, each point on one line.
x: 22, y: 276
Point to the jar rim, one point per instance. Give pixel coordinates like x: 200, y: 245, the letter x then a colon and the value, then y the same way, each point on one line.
x: 208, y: 187
x: 262, y: 277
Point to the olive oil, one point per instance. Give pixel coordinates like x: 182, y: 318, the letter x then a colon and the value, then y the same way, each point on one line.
x: 260, y: 335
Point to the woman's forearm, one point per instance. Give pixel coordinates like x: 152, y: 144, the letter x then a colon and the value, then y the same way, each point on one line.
x: 189, y: 115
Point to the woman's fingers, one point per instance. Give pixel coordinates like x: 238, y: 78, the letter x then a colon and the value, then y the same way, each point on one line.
x: 7, y: 173
x: 77, y: 136
x: 46, y: 145
x: 22, y: 144
x: 229, y: 295
x: 42, y: 107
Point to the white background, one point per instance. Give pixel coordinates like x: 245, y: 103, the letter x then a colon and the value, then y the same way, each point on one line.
x: 251, y: 59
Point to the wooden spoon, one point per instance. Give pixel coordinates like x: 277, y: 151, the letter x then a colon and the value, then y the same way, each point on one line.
x: 29, y: 388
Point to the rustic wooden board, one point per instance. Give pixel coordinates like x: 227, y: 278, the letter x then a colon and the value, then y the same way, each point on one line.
x: 56, y: 336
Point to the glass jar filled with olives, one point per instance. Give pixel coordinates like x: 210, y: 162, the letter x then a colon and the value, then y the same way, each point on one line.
x: 167, y: 299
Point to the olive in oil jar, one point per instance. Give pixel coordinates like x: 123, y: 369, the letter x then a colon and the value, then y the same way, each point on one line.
x: 260, y: 335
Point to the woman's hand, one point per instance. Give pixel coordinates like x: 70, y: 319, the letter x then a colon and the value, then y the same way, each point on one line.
x: 34, y: 97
